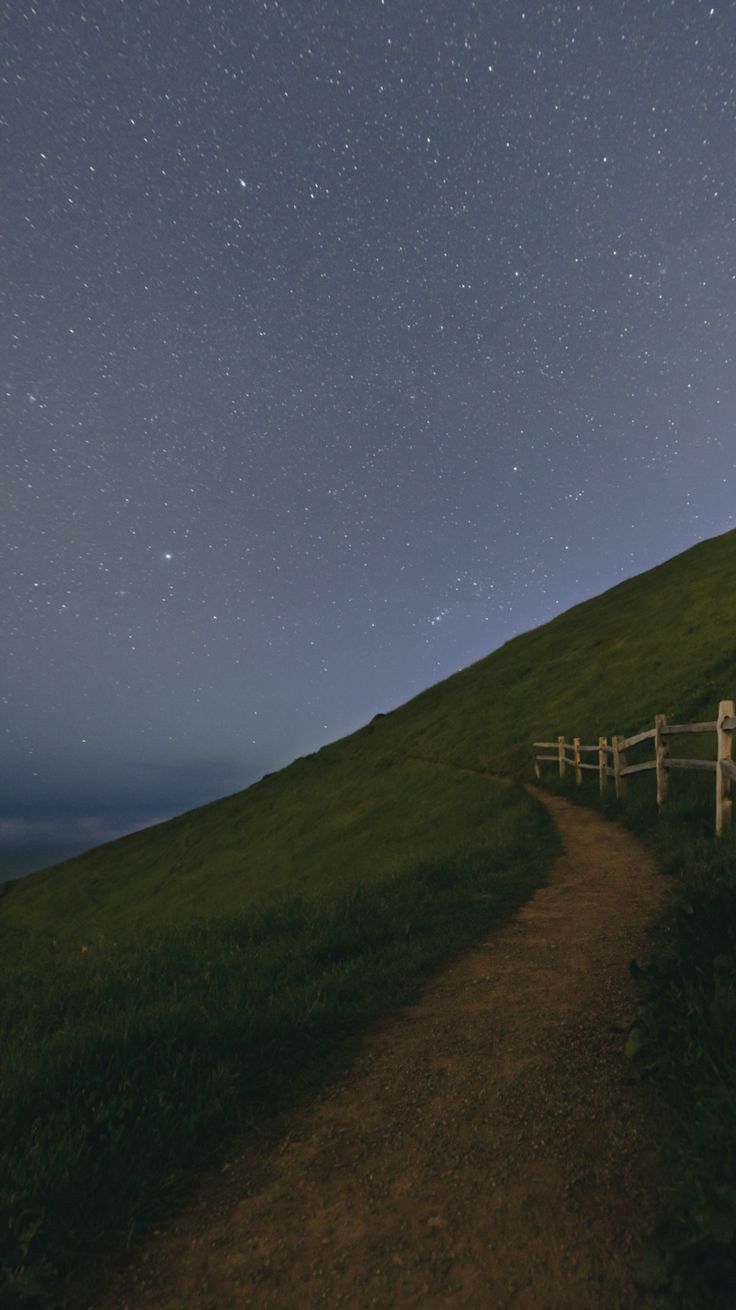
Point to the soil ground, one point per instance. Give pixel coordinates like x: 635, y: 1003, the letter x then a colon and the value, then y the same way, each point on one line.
x: 487, y: 1148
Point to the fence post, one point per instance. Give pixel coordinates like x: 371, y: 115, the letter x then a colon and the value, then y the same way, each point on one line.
x: 619, y: 763
x: 537, y: 770
x: 724, y: 801
x: 661, y: 751
x: 578, y: 770
x: 602, y: 764
x: 561, y: 754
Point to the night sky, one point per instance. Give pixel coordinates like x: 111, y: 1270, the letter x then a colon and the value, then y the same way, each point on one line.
x: 340, y: 343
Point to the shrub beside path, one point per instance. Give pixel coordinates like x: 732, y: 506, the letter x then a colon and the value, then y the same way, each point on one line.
x: 487, y: 1148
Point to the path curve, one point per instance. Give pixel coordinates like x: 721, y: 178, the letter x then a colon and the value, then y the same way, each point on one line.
x: 488, y: 1147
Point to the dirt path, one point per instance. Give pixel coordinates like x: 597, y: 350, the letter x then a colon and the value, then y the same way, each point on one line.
x: 487, y: 1148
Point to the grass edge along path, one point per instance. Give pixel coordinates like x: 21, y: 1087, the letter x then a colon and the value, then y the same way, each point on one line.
x: 137, y: 1060
x: 683, y: 1039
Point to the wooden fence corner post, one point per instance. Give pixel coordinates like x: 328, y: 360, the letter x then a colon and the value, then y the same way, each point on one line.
x: 576, y: 753
x: 724, y: 799
x: 537, y: 770
x: 661, y: 751
x: 619, y: 763
x: 561, y: 754
x: 602, y: 764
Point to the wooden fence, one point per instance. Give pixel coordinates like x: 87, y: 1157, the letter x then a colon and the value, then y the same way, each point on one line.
x: 569, y: 754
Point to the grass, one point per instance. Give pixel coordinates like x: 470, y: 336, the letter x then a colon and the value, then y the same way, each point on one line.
x: 132, y: 1058
x: 169, y: 1030
x: 684, y: 1037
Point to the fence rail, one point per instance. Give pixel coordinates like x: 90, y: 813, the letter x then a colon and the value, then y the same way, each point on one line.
x: 723, y: 765
x: 639, y: 736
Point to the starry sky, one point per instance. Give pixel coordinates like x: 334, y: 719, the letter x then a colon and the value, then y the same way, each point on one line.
x: 341, y: 341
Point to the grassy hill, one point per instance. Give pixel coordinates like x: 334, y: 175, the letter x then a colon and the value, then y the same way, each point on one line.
x: 368, y: 806
x: 170, y: 988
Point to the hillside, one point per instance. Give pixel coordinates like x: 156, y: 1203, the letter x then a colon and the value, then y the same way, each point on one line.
x: 168, y: 992
x: 369, y: 806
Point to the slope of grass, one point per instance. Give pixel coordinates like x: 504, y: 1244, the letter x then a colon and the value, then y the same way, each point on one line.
x: 664, y: 641
x: 139, y: 1053
x: 366, y: 828
x: 349, y: 813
